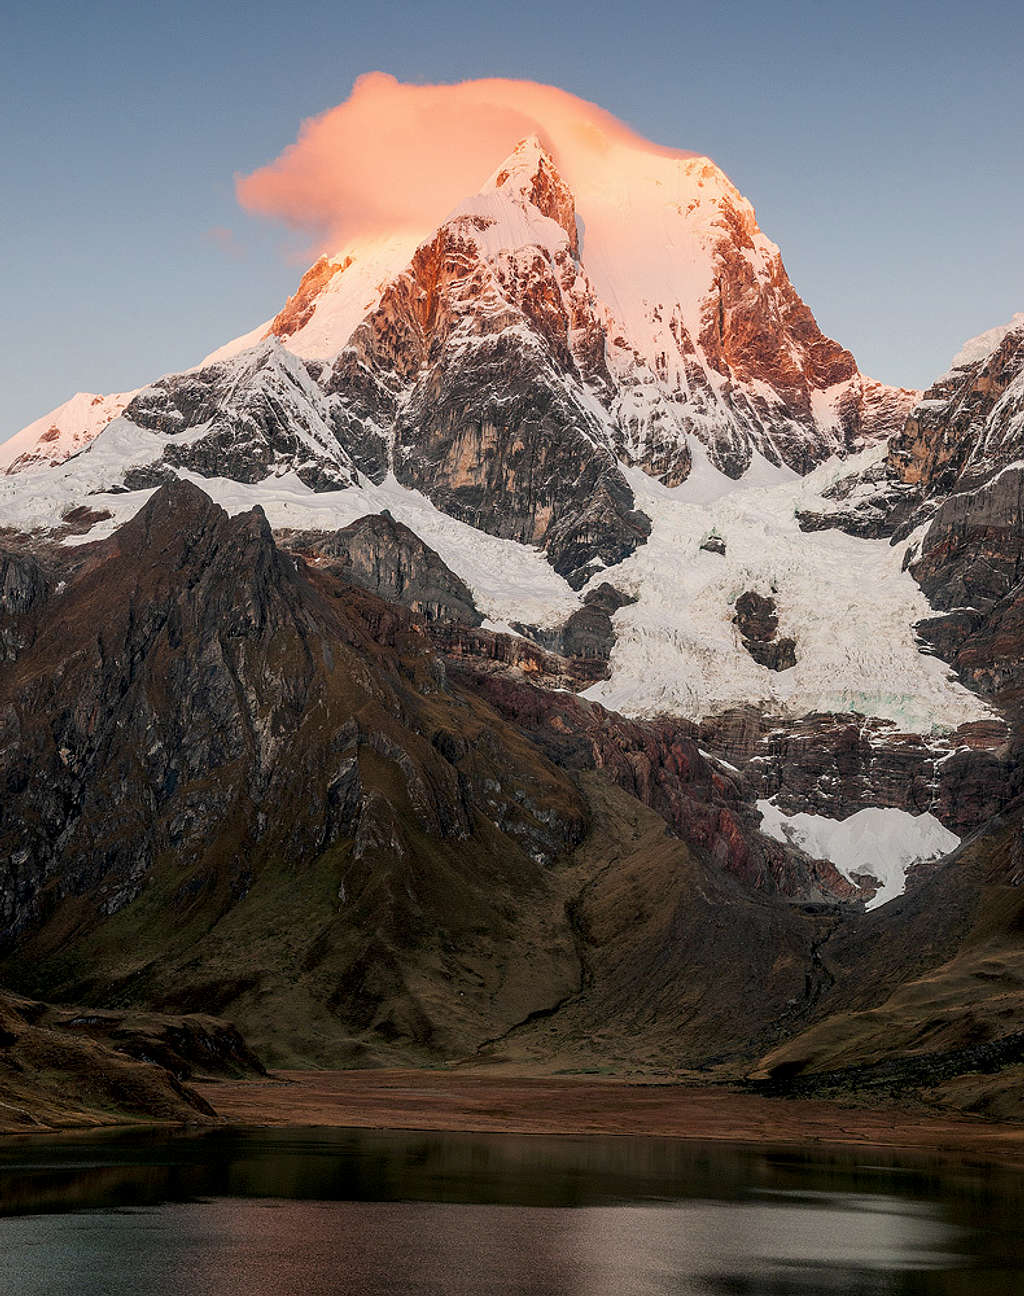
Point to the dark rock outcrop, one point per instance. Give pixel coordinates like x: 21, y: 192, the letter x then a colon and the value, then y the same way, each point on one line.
x: 587, y: 634
x: 713, y: 543
x: 379, y: 554
x: 23, y: 588
x: 835, y: 765
x: 585, y: 638
x: 758, y: 624
x: 522, y: 654
x: 608, y: 598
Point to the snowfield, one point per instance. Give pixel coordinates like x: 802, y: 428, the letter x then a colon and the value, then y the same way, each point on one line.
x: 510, y: 581
x: 846, y: 602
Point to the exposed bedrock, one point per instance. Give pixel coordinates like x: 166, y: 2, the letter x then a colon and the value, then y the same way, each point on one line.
x: 708, y: 806
x: 202, y: 700
x: 758, y: 624
x: 381, y: 555
x: 259, y: 414
x: 834, y: 765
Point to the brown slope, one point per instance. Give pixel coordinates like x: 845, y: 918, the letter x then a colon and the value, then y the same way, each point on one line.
x: 74, y: 1067
x: 205, y: 743
x: 927, y: 992
x: 681, y: 966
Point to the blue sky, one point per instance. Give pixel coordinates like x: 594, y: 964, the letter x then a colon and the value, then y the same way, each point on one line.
x: 881, y: 145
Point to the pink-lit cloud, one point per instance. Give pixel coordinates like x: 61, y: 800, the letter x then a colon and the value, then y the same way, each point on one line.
x: 398, y: 157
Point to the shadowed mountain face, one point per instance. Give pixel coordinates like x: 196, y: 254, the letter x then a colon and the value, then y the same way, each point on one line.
x: 237, y: 784
x: 195, y: 719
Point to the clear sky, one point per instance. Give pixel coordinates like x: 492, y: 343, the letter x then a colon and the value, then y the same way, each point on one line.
x: 882, y: 146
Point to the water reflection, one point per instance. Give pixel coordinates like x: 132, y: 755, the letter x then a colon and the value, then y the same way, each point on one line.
x: 322, y: 1211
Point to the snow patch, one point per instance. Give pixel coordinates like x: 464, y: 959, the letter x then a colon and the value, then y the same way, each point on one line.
x: 881, y: 842
x: 509, y: 581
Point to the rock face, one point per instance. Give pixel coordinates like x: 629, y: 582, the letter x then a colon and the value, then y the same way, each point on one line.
x: 659, y: 764
x: 493, y: 652
x: 478, y: 356
x: 23, y: 588
x: 383, y: 556
x: 300, y: 307
x: 968, y: 424
x: 587, y: 635
x: 258, y: 415
x: 835, y: 765
x: 958, y: 440
x: 962, y: 454
x: 758, y: 624
x: 184, y: 714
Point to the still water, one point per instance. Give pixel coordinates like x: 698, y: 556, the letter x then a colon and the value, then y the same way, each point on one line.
x: 310, y: 1212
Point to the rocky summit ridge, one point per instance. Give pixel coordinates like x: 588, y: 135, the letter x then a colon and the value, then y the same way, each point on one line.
x: 726, y: 352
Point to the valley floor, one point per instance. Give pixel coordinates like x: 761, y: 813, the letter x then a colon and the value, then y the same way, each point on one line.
x: 489, y: 1103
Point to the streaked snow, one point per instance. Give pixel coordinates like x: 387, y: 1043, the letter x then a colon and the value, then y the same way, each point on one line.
x: 881, y: 842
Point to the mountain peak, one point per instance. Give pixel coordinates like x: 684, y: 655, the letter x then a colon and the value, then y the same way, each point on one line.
x: 982, y: 346
x: 530, y: 174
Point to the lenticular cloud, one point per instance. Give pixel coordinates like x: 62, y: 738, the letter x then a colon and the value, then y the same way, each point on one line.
x: 398, y: 157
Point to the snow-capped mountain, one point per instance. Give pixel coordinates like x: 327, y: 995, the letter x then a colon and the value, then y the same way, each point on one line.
x: 650, y: 312
x: 513, y: 365
x: 563, y: 392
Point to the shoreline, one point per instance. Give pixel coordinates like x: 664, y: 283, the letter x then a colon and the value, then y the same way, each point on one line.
x: 489, y: 1103
x: 577, y: 1106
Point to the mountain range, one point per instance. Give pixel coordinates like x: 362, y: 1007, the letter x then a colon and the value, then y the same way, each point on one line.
x: 537, y: 643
